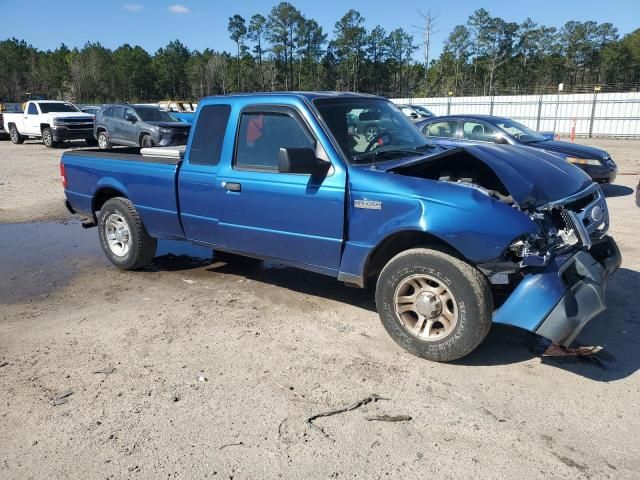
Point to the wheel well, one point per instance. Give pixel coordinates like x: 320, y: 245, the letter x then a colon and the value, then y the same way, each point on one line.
x: 142, y: 134
x: 43, y: 126
x: 99, y: 130
x: 399, y: 242
x: 103, y: 195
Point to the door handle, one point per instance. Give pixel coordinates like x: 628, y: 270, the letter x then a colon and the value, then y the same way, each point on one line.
x: 231, y: 186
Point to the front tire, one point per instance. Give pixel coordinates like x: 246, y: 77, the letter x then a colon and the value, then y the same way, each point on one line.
x: 146, y: 141
x: 103, y: 140
x: 15, y: 136
x: 434, y: 305
x: 123, y: 237
x: 47, y: 138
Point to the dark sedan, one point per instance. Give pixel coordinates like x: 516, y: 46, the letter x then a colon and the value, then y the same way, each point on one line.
x: 138, y: 126
x: 460, y: 129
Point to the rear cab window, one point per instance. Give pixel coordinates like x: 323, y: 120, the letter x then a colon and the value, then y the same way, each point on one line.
x: 209, y: 133
x: 32, y: 109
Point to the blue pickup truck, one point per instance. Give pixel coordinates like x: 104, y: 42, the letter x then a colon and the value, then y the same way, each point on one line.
x: 453, y: 240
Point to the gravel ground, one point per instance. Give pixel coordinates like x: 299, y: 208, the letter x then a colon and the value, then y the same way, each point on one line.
x: 198, y: 368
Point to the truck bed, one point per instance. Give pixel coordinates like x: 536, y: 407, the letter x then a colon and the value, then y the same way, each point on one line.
x: 127, y: 154
x: 148, y: 181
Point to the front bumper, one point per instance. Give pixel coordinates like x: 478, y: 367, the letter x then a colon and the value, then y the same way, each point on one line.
x: 177, y: 137
x: 559, y: 300
x: 601, y: 174
x: 62, y: 133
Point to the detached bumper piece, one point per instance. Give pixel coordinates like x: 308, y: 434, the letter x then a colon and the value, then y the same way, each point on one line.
x: 560, y: 300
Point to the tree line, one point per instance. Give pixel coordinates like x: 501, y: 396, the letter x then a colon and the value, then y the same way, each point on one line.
x: 285, y: 50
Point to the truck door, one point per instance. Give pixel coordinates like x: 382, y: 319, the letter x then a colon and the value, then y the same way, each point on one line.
x: 293, y: 217
x: 234, y: 198
x: 31, y: 120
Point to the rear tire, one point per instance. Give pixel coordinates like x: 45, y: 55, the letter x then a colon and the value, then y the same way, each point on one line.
x: 103, y: 140
x: 15, y: 136
x: 123, y: 237
x: 434, y: 305
x: 47, y: 138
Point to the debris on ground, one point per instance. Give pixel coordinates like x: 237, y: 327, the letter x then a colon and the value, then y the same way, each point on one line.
x: 106, y: 370
x: 4, y: 364
x: 388, y: 418
x: 371, y: 398
x: 231, y: 445
x: 62, y: 397
x: 555, y: 350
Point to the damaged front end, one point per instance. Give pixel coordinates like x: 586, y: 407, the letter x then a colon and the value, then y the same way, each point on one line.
x: 552, y: 278
x: 562, y: 271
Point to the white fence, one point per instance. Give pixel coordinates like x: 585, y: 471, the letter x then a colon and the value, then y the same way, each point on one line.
x: 594, y: 114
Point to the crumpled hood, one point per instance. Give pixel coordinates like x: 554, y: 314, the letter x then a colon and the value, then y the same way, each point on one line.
x: 533, y: 177
x: 570, y: 149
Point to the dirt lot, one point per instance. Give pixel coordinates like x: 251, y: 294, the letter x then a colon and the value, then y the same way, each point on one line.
x: 201, y: 369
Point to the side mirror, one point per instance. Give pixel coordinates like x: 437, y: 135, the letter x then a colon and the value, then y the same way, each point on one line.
x: 301, y: 160
x: 500, y: 140
x: 414, y: 115
x: 131, y: 118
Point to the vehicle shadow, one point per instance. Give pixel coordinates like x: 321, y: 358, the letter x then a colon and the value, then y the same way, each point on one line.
x: 612, y: 190
x: 617, y: 330
x: 308, y: 283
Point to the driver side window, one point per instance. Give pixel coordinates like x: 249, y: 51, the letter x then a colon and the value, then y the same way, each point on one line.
x: 441, y: 129
x: 262, y: 135
x: 479, y: 132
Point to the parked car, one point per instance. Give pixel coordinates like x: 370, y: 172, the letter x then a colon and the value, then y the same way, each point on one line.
x: 437, y: 231
x: 426, y: 113
x: 415, y: 112
x: 138, y: 125
x: 410, y: 112
x: 50, y: 120
x: 90, y: 109
x: 181, y: 109
x: 472, y: 129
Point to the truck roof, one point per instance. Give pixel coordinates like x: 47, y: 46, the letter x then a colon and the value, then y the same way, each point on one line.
x: 306, y: 95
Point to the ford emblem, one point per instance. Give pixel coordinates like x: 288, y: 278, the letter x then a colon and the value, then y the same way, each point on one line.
x: 597, y: 213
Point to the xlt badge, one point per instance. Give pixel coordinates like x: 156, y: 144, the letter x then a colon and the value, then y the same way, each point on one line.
x: 368, y: 204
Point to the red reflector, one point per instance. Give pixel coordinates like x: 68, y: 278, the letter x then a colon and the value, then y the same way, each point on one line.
x: 64, y: 176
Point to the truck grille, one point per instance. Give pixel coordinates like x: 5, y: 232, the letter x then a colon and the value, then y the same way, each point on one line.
x: 585, y: 215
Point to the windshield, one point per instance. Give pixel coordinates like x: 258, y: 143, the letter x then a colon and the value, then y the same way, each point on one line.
x: 57, y: 107
x: 425, y: 111
x: 154, y: 115
x: 370, y: 129
x: 520, y: 132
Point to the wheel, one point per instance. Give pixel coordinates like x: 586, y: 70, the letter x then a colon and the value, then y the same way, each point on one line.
x: 371, y: 133
x: 434, y: 305
x: 15, y: 136
x: 47, y: 138
x: 103, y: 140
x: 92, y: 142
x: 146, y: 141
x: 123, y: 237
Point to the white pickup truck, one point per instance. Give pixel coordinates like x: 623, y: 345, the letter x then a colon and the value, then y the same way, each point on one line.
x: 51, y: 120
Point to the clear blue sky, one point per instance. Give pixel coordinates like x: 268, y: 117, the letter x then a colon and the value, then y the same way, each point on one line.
x: 203, y: 23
